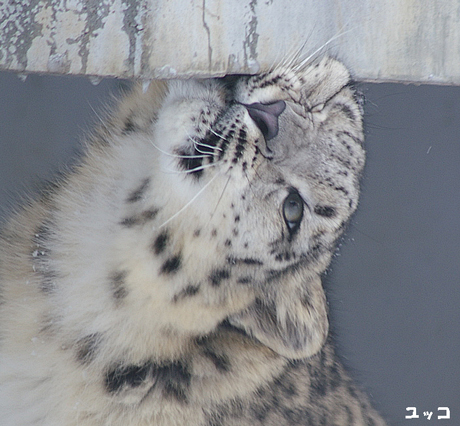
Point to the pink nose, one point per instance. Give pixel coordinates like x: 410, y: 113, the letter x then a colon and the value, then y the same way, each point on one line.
x: 266, y: 117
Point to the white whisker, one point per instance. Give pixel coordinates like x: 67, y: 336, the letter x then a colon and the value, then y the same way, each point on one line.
x: 220, y: 198
x: 188, y: 204
x: 307, y: 60
x: 209, y: 154
x: 195, y: 169
x: 218, y: 135
x: 169, y: 154
x: 205, y: 145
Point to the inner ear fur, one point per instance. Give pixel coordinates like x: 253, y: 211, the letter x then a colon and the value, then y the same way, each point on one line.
x: 291, y: 321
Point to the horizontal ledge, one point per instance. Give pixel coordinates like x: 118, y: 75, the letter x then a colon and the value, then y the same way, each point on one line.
x: 411, y: 41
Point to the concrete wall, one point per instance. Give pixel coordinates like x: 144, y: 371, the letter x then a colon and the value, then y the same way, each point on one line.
x: 383, y: 40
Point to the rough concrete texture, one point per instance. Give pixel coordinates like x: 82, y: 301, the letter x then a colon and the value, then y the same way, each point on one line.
x: 382, y: 40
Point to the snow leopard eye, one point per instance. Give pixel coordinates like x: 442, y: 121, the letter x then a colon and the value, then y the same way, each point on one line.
x: 293, y: 211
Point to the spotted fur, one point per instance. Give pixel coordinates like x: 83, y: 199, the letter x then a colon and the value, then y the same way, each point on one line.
x: 173, y: 277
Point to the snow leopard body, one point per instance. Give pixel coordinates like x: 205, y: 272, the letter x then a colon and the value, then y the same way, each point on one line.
x: 173, y: 277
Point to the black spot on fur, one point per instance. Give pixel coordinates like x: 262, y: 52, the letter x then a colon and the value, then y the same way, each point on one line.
x: 172, y: 378
x: 175, y: 379
x: 148, y: 215
x: 243, y: 260
x: 280, y: 181
x: 129, y: 126
x: 244, y: 280
x: 87, y: 347
x: 197, y: 232
x: 160, y: 242
x: 218, y: 276
x: 129, y: 222
x: 286, y: 386
x: 127, y: 375
x: 220, y: 361
x: 137, y: 194
x: 342, y: 189
x: 284, y: 256
x: 347, y: 111
x: 139, y: 219
x: 188, y: 291
x: 117, y: 281
x: 305, y: 300
x: 325, y: 211
x: 171, y: 265
x: 228, y: 243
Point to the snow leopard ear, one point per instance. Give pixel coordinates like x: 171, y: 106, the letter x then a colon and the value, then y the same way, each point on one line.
x: 292, y: 323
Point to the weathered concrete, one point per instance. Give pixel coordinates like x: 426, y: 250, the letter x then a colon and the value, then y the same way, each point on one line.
x: 380, y: 40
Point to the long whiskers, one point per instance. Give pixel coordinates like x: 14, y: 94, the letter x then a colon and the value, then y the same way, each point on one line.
x: 205, y: 145
x: 205, y: 153
x: 306, y: 61
x: 296, y: 61
x: 169, y: 154
x: 195, y: 169
x: 218, y: 135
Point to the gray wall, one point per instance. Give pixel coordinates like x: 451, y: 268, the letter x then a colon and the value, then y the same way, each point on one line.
x: 393, y: 287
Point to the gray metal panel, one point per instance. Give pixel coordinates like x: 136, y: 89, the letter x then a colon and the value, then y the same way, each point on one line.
x: 381, y: 40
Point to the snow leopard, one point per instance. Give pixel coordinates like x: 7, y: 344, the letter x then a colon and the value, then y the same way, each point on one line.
x: 173, y: 275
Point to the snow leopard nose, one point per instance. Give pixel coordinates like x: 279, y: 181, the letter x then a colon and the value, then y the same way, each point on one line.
x: 266, y: 117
